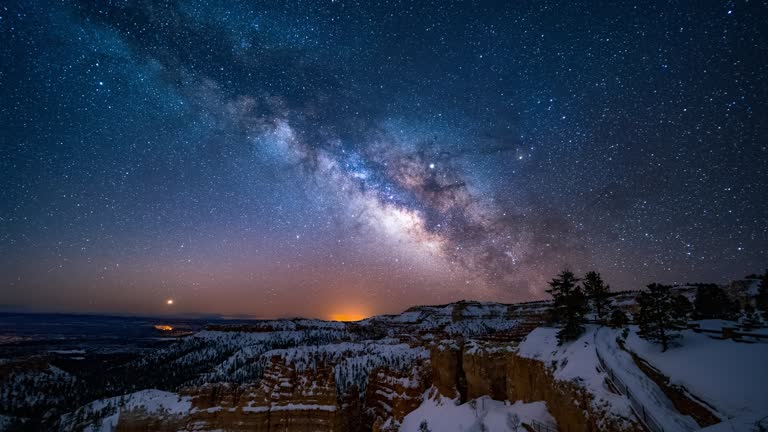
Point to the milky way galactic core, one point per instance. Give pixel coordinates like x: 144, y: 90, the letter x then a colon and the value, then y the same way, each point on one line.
x: 349, y: 158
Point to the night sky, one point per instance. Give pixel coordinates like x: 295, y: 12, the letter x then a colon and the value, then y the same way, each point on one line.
x: 329, y: 158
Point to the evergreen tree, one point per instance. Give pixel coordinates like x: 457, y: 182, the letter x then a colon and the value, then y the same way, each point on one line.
x: 598, y: 293
x: 424, y: 426
x: 682, y: 307
x: 762, y: 296
x: 749, y: 317
x: 570, y: 305
x: 513, y: 422
x: 712, y: 302
x: 618, y: 318
x: 657, y: 318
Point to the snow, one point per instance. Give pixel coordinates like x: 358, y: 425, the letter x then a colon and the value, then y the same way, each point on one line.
x: 743, y: 423
x: 5, y: 422
x: 731, y: 376
x: 639, y: 384
x: 715, y: 324
x: 28, y: 388
x: 290, y: 407
x: 407, y: 317
x: 151, y: 400
x: 474, y: 327
x: 485, y: 309
x: 353, y: 362
x: 576, y: 362
x: 445, y: 415
x: 65, y: 352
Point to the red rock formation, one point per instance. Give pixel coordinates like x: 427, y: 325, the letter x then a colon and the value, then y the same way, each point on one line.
x: 485, y: 369
x: 446, y: 363
x: 529, y: 380
x: 285, y: 400
x: 392, y: 394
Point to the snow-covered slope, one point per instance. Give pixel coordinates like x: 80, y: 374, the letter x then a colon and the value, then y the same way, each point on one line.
x: 108, y: 411
x: 576, y: 362
x: 448, y: 415
x: 730, y: 376
x: 650, y: 396
x: 383, y: 364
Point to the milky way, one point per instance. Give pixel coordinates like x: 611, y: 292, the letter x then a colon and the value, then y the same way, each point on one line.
x: 319, y: 158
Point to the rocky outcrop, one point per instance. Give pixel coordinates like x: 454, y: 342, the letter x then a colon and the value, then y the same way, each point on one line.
x: 392, y: 394
x: 447, y: 370
x: 464, y: 351
x: 141, y: 421
x: 487, y: 367
x: 571, y: 405
x: 485, y: 370
x: 285, y: 400
x: 683, y: 400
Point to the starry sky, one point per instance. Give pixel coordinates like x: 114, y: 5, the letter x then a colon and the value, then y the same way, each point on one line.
x: 320, y: 158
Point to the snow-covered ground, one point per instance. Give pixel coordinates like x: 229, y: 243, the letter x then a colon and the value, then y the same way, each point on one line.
x: 575, y: 361
x: 730, y: 376
x: 5, y: 422
x: 640, y: 385
x: 745, y: 423
x: 353, y: 361
x: 152, y: 401
x: 445, y: 415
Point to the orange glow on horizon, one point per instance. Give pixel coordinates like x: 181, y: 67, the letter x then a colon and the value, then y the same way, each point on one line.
x: 348, y: 316
x: 163, y: 327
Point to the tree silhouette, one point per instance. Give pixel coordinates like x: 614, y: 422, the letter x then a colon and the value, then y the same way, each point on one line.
x: 657, y: 318
x: 618, y: 318
x: 762, y: 296
x: 598, y: 293
x: 569, y: 305
x: 513, y: 422
x: 682, y: 307
x: 424, y: 426
x: 712, y: 302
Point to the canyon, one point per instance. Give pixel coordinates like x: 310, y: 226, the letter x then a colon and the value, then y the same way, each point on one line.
x: 465, y: 366
x: 372, y: 381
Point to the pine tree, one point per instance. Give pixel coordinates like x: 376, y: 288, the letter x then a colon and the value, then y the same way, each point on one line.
x: 618, y: 318
x: 762, y: 296
x: 749, y: 317
x: 712, y: 302
x: 424, y: 426
x: 598, y: 293
x: 682, y: 307
x: 570, y: 305
x: 657, y: 318
x: 513, y: 422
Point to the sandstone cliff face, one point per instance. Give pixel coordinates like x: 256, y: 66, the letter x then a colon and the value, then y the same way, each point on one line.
x: 392, y: 395
x: 485, y: 370
x: 140, y: 421
x: 291, y: 400
x: 447, y: 371
x: 285, y: 400
x: 470, y: 354
x: 486, y: 367
x: 529, y: 380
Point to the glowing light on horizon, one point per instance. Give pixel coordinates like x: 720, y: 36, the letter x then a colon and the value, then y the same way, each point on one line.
x: 169, y: 302
x: 350, y: 316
